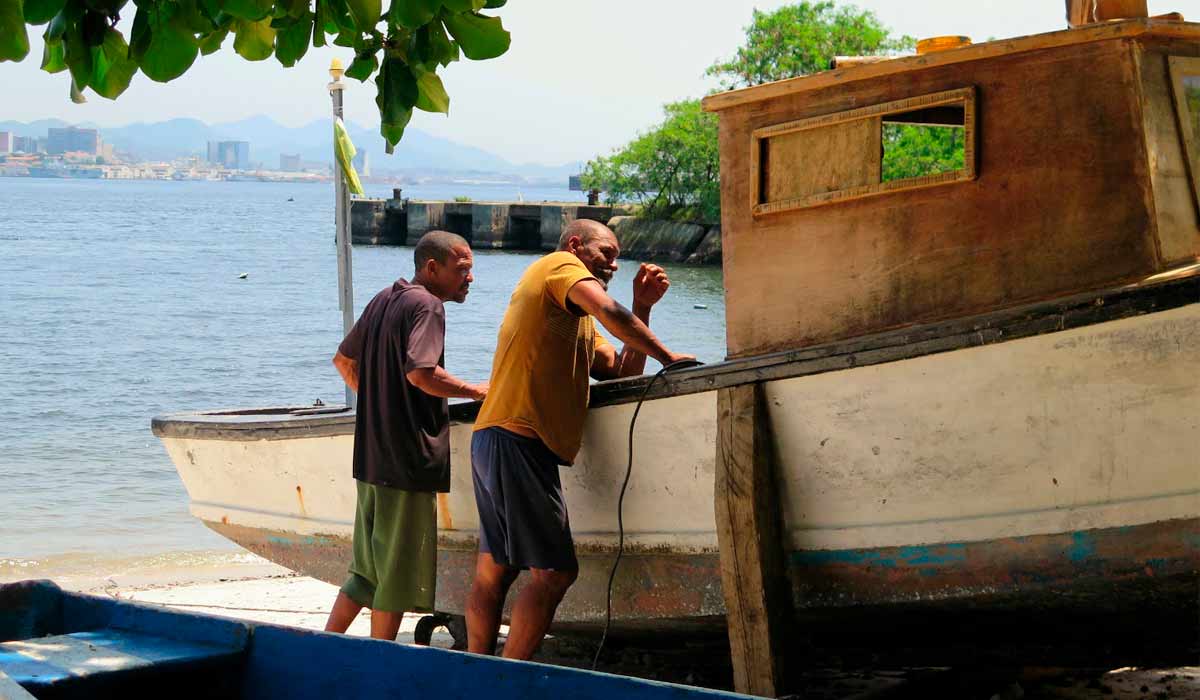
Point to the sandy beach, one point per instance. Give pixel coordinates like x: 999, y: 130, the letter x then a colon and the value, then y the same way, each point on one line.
x: 231, y: 584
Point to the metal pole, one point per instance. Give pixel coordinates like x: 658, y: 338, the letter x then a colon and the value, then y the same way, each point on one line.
x: 342, y: 218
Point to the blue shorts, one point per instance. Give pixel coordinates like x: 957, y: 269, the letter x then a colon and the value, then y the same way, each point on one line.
x: 523, y: 520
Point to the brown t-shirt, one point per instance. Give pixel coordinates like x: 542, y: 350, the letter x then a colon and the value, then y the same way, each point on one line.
x: 401, y: 434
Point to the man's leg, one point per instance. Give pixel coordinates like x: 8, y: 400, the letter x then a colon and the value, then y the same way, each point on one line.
x: 385, y: 625
x: 534, y: 610
x: 343, y: 613
x: 486, y: 603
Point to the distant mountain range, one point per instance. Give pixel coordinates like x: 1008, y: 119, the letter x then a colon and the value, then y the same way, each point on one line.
x: 418, y: 152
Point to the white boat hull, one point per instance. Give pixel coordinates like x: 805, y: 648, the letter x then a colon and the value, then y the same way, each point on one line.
x: 1035, y: 462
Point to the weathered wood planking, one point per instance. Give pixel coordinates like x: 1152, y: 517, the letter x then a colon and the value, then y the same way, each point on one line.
x: 1176, y: 195
x: 753, y: 572
x: 1062, y: 204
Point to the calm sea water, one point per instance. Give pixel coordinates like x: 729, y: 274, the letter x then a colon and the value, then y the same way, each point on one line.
x: 120, y: 301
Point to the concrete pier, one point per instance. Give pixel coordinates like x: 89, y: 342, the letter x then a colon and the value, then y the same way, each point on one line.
x: 529, y: 226
x: 515, y: 225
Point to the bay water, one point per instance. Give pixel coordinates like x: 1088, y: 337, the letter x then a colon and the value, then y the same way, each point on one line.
x: 123, y: 300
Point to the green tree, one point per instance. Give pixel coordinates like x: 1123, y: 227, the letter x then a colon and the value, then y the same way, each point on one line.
x: 403, y: 47
x: 672, y: 169
x: 803, y: 38
x: 912, y: 150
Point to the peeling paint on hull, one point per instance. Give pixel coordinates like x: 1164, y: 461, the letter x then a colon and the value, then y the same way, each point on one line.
x: 682, y: 592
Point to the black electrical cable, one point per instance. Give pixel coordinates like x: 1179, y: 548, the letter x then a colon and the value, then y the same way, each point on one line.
x: 678, y: 364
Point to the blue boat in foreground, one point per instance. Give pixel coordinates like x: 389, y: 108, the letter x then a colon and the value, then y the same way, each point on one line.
x: 58, y: 644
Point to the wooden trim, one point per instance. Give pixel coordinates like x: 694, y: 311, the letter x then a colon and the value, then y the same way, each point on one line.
x: 1169, y: 29
x: 1141, y: 127
x: 747, y: 522
x: 963, y: 96
x: 1179, y: 66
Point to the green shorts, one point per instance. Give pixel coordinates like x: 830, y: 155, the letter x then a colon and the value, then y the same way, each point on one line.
x: 395, y: 550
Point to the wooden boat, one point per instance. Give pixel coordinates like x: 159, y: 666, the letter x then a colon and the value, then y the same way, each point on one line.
x: 55, y: 644
x: 979, y: 385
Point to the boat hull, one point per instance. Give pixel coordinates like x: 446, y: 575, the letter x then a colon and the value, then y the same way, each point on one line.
x: 1050, y: 452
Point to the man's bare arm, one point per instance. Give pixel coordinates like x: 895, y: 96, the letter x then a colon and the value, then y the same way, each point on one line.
x: 630, y: 362
x: 436, y: 381
x: 348, y: 368
x: 590, y: 296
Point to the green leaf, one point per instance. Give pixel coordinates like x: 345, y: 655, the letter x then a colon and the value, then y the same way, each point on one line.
x: 480, y: 37
x: 318, y: 32
x: 396, y: 93
x: 365, y: 13
x: 170, y: 50
x: 295, y: 8
x: 94, y: 26
x: 77, y: 94
x: 193, y: 16
x: 53, y: 57
x: 78, y: 56
x: 42, y: 11
x: 464, y: 5
x: 14, y: 41
x: 433, y: 46
x: 432, y: 95
x: 112, y: 68
x: 493, y: 4
x: 413, y: 13
x: 253, y: 10
x: 253, y: 41
x: 212, y: 43
x: 291, y: 43
x: 139, y: 34
x: 362, y: 67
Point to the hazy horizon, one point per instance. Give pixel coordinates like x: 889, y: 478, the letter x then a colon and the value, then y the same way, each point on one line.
x: 554, y: 98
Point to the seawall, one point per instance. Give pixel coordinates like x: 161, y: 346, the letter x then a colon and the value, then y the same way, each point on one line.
x: 529, y: 226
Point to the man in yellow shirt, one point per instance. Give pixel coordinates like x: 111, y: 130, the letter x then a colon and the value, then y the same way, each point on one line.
x: 532, y: 421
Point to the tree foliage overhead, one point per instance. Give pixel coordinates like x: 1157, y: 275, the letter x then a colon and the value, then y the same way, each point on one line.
x: 402, y: 47
x: 672, y: 170
x: 803, y: 38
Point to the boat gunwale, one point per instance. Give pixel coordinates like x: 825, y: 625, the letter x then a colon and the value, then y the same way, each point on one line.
x: 1180, y: 287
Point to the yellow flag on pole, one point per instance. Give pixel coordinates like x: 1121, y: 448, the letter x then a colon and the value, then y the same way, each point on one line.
x: 344, y: 150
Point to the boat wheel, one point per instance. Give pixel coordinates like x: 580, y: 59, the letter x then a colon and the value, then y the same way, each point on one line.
x: 456, y: 625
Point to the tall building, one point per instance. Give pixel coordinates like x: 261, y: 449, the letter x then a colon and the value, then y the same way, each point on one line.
x: 6, y: 142
x: 362, y: 164
x: 231, y: 154
x: 289, y: 163
x: 26, y: 144
x: 72, y: 140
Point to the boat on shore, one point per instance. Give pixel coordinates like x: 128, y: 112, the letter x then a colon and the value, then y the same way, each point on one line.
x: 62, y: 645
x: 980, y: 385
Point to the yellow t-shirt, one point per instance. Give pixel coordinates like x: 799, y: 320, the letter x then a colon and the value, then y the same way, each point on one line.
x: 543, y: 358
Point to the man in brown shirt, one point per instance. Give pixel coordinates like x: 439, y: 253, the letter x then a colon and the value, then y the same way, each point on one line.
x: 393, y: 358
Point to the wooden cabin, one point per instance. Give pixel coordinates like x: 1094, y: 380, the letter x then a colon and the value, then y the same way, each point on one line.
x: 1079, y: 169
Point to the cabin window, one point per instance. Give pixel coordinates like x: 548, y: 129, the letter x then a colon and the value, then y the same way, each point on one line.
x: 917, y: 142
x: 1185, y: 82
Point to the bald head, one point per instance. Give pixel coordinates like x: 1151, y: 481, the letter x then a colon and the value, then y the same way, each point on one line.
x: 437, y: 245
x: 586, y: 230
x: 595, y: 245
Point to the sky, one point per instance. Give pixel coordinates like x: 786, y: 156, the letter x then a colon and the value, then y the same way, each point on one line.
x: 582, y: 76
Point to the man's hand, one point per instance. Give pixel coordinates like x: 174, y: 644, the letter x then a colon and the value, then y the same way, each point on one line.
x: 675, y: 357
x: 649, y: 285
x: 480, y: 391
